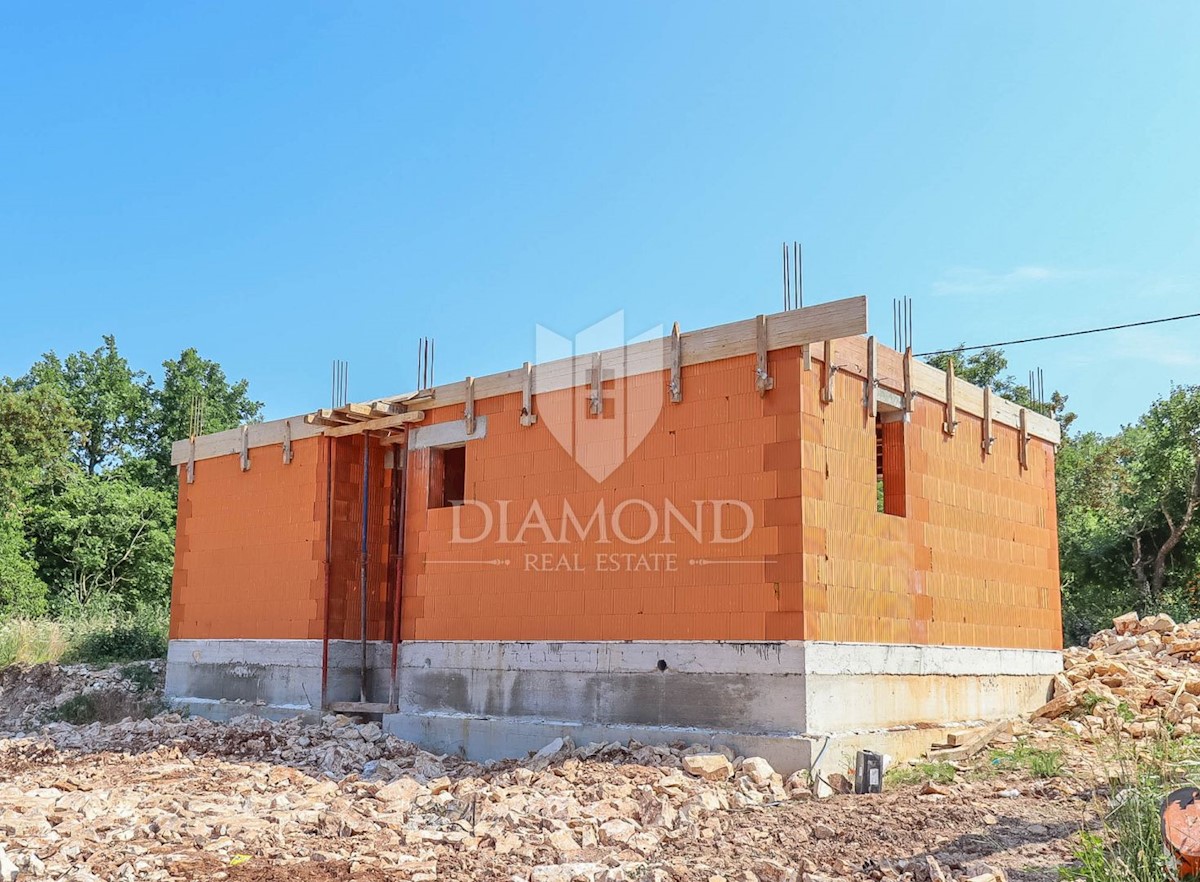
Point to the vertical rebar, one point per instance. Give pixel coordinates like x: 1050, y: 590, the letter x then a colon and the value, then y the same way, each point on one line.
x: 799, y: 276
x: 362, y: 586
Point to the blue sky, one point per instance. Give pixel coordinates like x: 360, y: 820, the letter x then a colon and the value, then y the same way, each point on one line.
x: 280, y: 184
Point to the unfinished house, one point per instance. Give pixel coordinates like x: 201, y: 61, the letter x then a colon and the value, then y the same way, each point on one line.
x: 775, y: 535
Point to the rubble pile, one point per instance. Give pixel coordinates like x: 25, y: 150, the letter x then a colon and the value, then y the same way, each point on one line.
x: 31, y: 695
x: 173, y: 798
x: 1140, y: 678
x: 182, y: 798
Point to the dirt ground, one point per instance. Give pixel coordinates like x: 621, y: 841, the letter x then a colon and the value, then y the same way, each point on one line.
x: 172, y: 798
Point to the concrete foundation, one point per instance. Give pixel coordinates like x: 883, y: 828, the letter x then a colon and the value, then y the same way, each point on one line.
x: 791, y: 702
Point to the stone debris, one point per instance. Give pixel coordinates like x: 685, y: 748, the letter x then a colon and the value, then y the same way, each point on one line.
x: 30, y: 695
x: 1140, y: 678
x: 178, y: 798
x: 709, y: 766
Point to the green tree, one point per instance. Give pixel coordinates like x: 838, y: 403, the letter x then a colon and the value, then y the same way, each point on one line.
x: 112, y: 401
x: 35, y: 429
x: 22, y: 592
x: 192, y: 381
x: 105, y: 536
x: 1162, y: 493
x: 1091, y: 472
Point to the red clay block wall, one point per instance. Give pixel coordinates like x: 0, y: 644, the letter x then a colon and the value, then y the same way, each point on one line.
x: 974, y: 559
x: 970, y: 559
x: 249, y: 546
x: 723, y: 441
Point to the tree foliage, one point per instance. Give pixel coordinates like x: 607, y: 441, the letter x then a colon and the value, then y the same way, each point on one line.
x: 112, y: 402
x: 105, y: 536
x: 192, y: 381
x: 87, y: 491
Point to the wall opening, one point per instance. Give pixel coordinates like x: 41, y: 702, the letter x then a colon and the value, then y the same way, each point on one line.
x: 889, y: 464
x: 447, y: 476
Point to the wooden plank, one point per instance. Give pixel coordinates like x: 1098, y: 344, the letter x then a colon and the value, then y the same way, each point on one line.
x: 245, y: 451
x: 596, y: 400
x: 329, y: 417
x: 528, y: 417
x: 469, y: 406
x: 287, y: 442
x: 806, y: 355
x: 763, y: 381
x: 675, y: 387
x: 389, y: 422
x: 830, y: 370
x: 989, y: 437
x: 970, y: 746
x: 909, y: 397
x: 356, y: 411
x: 191, y: 464
x: 361, y: 707
x: 872, y: 379
x: 950, y: 426
x: 1023, y: 439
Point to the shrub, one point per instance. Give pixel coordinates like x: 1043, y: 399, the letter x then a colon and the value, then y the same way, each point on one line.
x: 93, y: 637
x: 919, y: 773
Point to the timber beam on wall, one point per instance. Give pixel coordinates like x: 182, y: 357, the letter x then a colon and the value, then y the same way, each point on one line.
x: 844, y: 321
x: 812, y: 324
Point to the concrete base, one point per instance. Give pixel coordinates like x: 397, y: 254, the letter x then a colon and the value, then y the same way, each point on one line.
x: 791, y: 702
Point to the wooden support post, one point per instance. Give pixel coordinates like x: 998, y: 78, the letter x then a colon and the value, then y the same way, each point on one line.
x: 806, y: 356
x: 909, y: 395
x: 1023, y: 440
x: 830, y: 370
x: 469, y: 406
x: 596, y: 404
x: 763, y: 381
x: 528, y: 417
x: 245, y: 448
x: 870, y: 399
x: 988, y: 438
x: 191, y: 463
x: 287, y: 443
x: 951, y: 424
x: 676, y: 385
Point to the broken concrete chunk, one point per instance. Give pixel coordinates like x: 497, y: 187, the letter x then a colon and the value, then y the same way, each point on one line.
x: 709, y: 766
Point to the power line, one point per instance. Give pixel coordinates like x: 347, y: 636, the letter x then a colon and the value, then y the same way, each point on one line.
x: 1173, y: 318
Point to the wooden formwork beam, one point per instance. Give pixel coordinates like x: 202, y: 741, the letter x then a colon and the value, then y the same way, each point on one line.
x: 528, y: 417
x: 389, y: 422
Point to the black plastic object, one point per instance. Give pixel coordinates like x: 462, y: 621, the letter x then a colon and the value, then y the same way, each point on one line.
x: 868, y: 772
